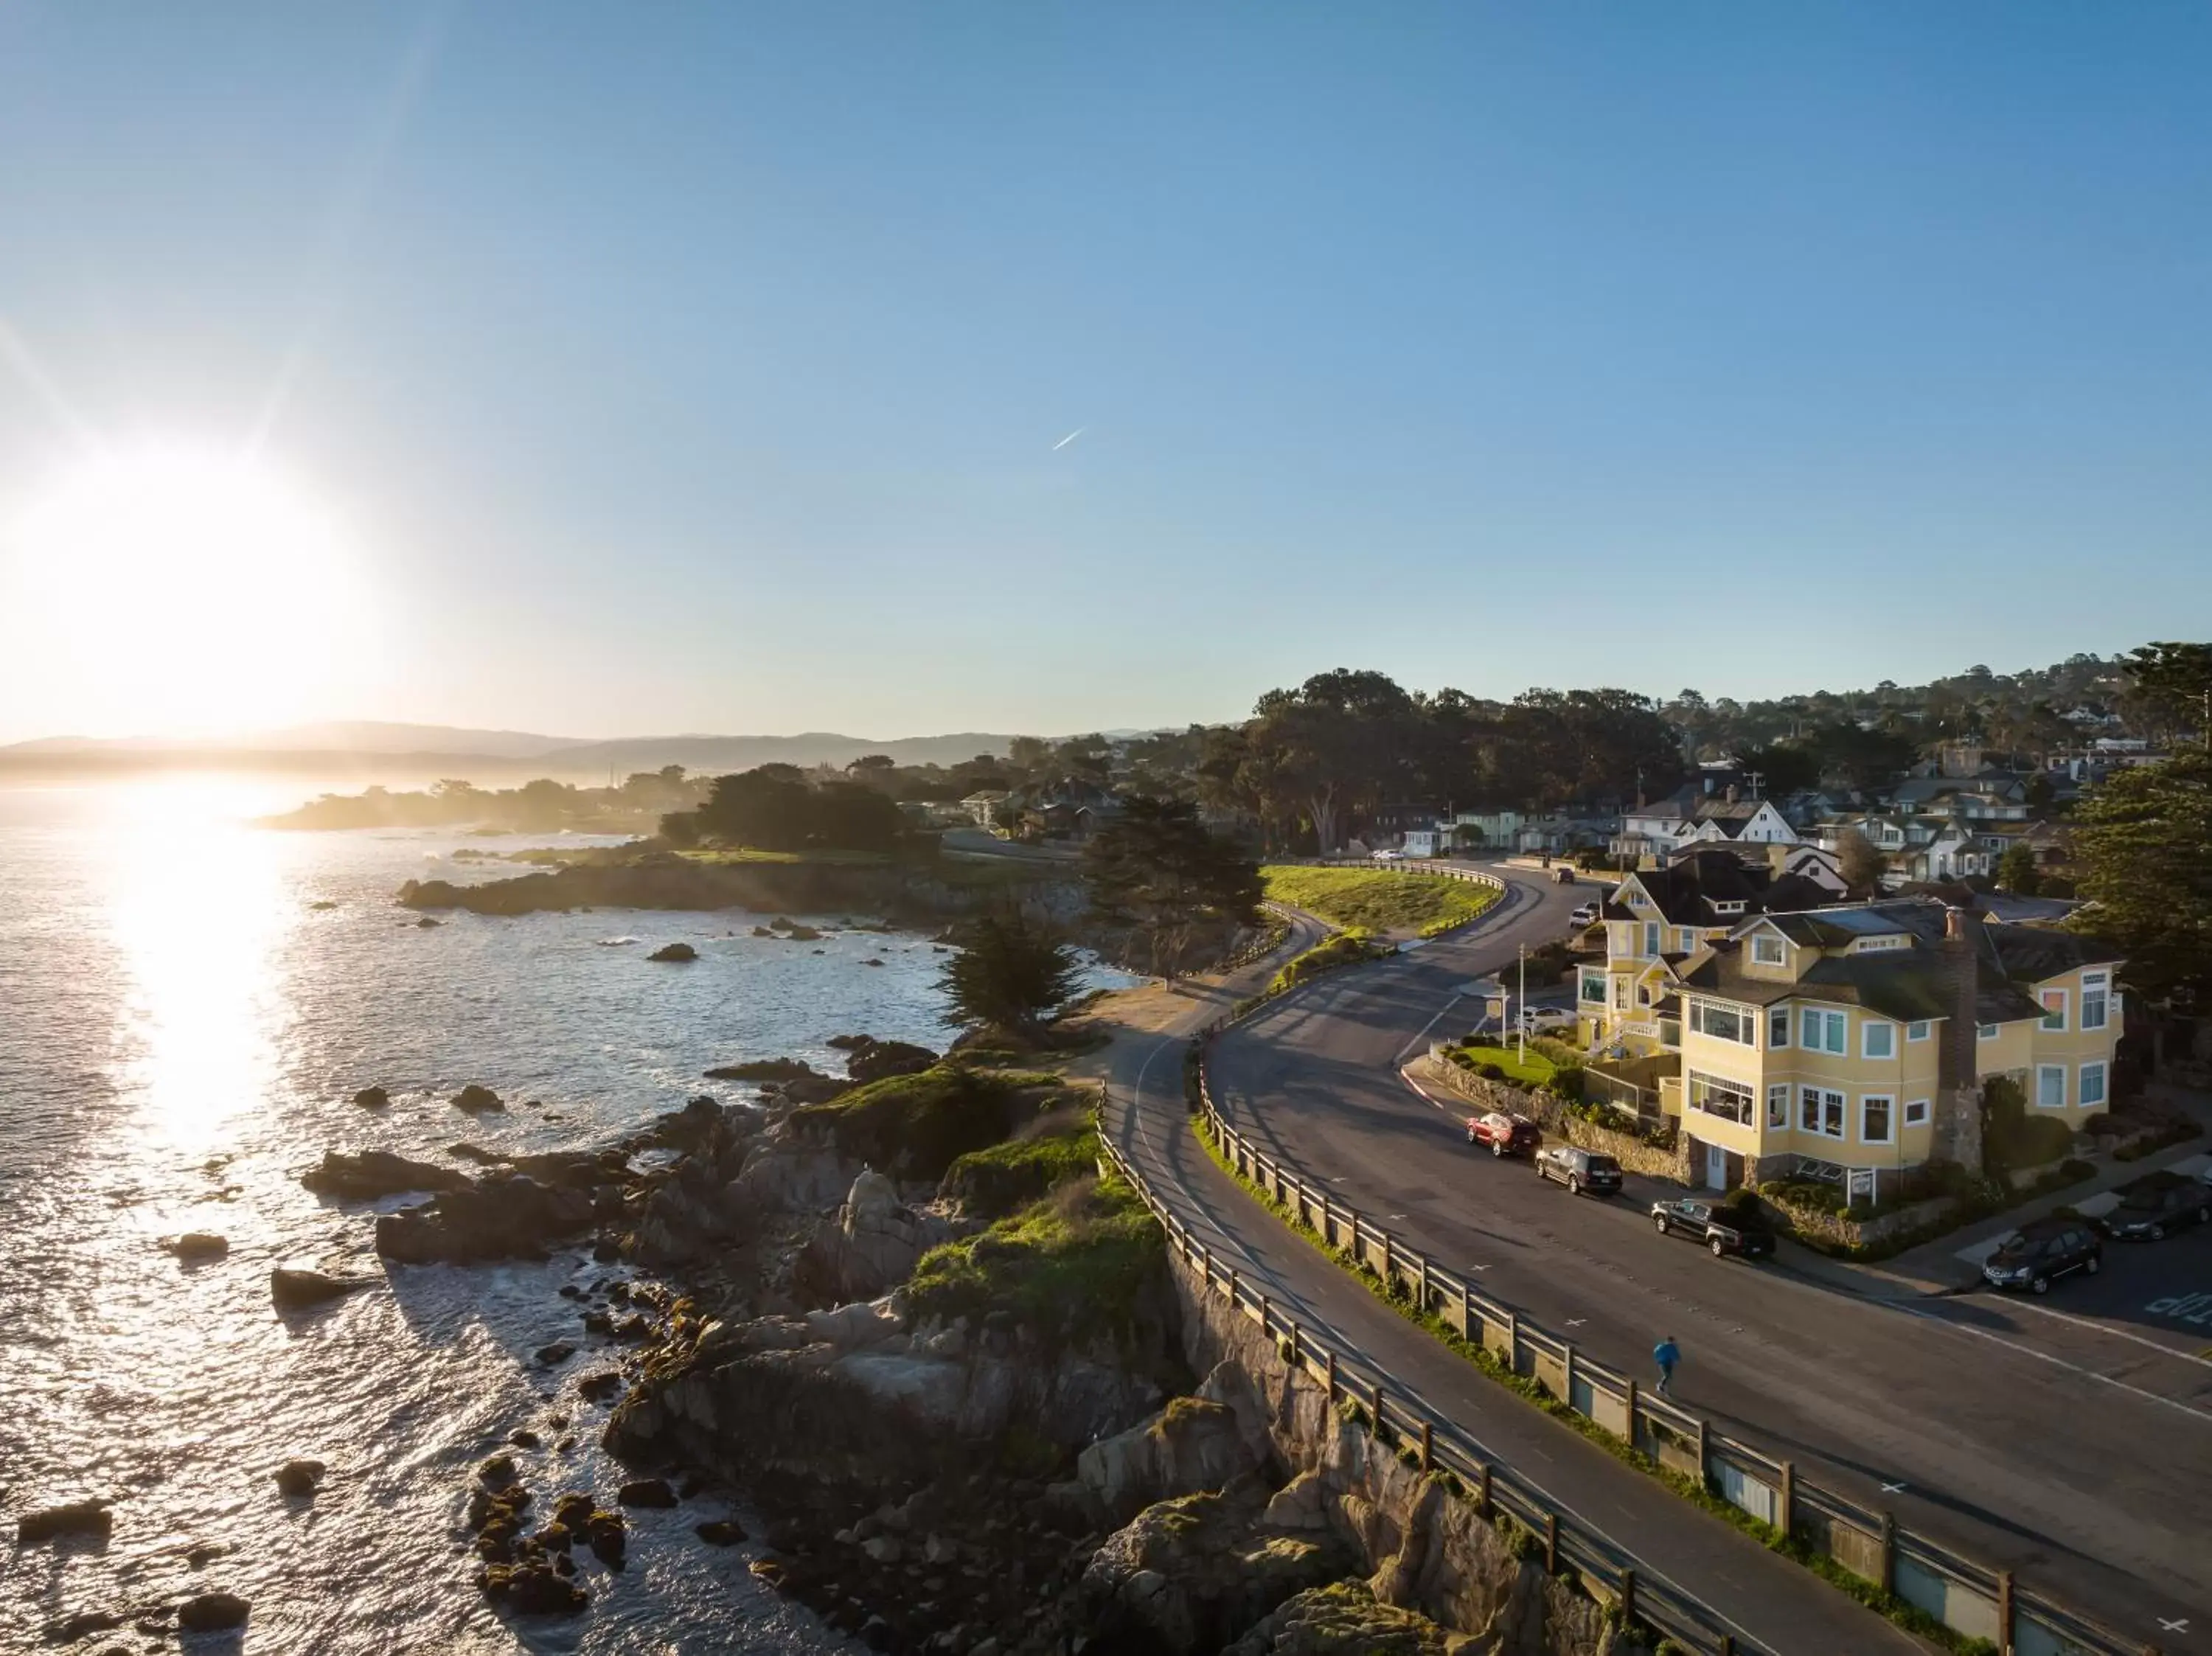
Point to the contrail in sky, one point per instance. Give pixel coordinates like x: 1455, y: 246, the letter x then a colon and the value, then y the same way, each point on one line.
x: 1070, y: 438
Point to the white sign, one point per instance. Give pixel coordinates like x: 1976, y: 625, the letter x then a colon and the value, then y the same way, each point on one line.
x: 1861, y: 1184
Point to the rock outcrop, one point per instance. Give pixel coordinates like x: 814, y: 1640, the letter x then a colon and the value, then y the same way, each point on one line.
x: 676, y: 952
x: 1207, y: 1440
x: 503, y: 1216
x: 293, y: 1290
x: 366, y: 1175
x: 873, y: 1247
x: 89, y: 1517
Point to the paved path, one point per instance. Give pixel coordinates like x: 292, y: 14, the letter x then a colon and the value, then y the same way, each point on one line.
x: 2064, y: 1450
x: 1775, y: 1605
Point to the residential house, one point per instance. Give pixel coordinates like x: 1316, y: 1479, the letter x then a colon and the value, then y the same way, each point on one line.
x: 1851, y: 1043
x: 982, y: 806
x: 1649, y: 833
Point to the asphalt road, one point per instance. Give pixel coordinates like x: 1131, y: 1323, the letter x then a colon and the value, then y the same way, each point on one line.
x: 2060, y: 1440
x: 1771, y: 1604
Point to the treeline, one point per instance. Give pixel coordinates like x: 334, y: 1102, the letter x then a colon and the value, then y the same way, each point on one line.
x: 783, y: 808
x: 543, y: 806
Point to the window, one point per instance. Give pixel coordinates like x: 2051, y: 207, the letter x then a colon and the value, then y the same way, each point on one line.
x: 1731, y: 1101
x: 2095, y: 999
x: 1650, y: 937
x: 1821, y: 1032
x: 2092, y: 1085
x: 1918, y: 1031
x: 1915, y: 1113
x: 1869, y: 945
x: 1724, y: 1023
x: 1686, y: 940
x: 1644, y: 994
x: 2050, y: 1086
x: 1986, y: 1032
x: 2054, y: 1008
x: 1877, y: 1038
x: 1766, y: 949
x: 1820, y: 1112
x: 1594, y: 987
x: 1874, y: 1119
x: 1777, y: 1104
x: 1778, y: 1026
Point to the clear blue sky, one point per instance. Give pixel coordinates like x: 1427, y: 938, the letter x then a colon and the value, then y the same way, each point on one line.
x: 699, y: 367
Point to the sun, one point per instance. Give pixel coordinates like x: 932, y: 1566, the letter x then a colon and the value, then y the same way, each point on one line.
x: 173, y: 589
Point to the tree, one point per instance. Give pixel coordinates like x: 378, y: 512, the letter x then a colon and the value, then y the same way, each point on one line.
x: 2038, y: 791
x: 1157, y: 871
x: 1007, y: 974
x: 2017, y: 871
x: 1859, y: 864
x: 2174, y: 683
x: 2144, y: 850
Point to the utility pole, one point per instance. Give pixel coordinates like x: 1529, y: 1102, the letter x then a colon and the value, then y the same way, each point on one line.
x: 1520, y: 1016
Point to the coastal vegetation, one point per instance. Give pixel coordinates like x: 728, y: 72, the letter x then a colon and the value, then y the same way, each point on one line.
x: 1086, y: 1256
x: 990, y: 1183
x: 915, y: 1126
x: 1376, y: 900
x: 1340, y: 949
x: 1157, y: 875
x: 1009, y: 973
x: 544, y: 806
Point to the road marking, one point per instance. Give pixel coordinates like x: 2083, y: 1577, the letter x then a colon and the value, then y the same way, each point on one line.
x: 2117, y: 1333
x: 2179, y: 1626
x: 1894, y: 1488
x: 2057, y: 1362
x: 1577, y: 1322
x: 1457, y: 994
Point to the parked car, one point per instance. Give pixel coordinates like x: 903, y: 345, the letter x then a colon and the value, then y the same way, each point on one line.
x: 1585, y: 915
x: 1537, y: 1019
x: 1563, y: 876
x: 1579, y: 1169
x: 1504, y: 1134
x: 1722, y: 1228
x: 2042, y: 1251
x: 2157, y: 1204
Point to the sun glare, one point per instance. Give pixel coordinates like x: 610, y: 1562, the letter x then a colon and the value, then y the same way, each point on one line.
x: 174, y: 591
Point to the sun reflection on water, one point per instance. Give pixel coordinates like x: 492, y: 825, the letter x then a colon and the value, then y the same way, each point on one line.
x: 197, y: 914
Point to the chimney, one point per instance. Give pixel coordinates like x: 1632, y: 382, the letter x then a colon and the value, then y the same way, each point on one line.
x: 1730, y: 795
x: 1958, y: 1124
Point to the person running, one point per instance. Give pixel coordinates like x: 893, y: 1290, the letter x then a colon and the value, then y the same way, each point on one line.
x: 1667, y: 1354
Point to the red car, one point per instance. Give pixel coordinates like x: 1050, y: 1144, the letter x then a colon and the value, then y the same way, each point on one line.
x: 1505, y: 1135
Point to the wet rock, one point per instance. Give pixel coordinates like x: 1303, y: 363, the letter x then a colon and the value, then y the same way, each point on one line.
x: 600, y: 1387
x: 523, y: 1438
x: 299, y: 1477
x: 75, y: 1517
x: 534, y: 1587
x: 763, y: 1068
x: 201, y: 1554
x: 293, y: 1290
x: 872, y: 962
x: 496, y: 1472
x: 719, y: 1532
x: 850, y: 1043
x: 365, y: 1175
x: 646, y: 1492
x: 875, y: 1060
x: 552, y: 1356
x: 372, y: 1098
x: 196, y: 1246
x: 213, y: 1612
x: 608, y: 1537
x: 70, y: 1628
x: 477, y: 1101
x: 427, y: 924
x: 499, y: 1216
x: 674, y: 951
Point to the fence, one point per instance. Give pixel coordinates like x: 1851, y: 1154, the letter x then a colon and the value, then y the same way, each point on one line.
x: 1437, y: 1445
x: 1973, y: 1600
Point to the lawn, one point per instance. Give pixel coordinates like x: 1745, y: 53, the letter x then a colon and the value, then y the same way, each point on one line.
x: 1375, y: 900
x: 1532, y: 1071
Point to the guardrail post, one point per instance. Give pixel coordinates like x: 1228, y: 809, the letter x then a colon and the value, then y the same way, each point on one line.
x: 1264, y: 1311
x: 1332, y: 1377
x: 1298, y: 1357
x: 1551, y: 1543
x: 1377, y: 1431
x: 1232, y: 1288
x: 1727, y: 1645
x: 1705, y: 1475
x: 1889, y: 1553
x: 1386, y: 1259
x: 1354, y: 1212
x: 2004, y: 1613
x: 1428, y: 1446
x: 1482, y: 1500
x: 1567, y: 1377
x: 1627, y: 1598
x: 1206, y: 1264
x: 1512, y: 1341
x: 1421, y: 1285
x: 1785, y: 1503
x: 1635, y: 1392
x: 1468, y: 1325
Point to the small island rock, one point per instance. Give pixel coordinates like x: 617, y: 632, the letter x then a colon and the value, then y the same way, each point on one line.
x: 299, y: 1477
x: 212, y: 1612
x: 196, y: 1245
x: 75, y: 1517
x: 372, y: 1098
x: 293, y: 1290
x: 646, y: 1492
x: 477, y: 1101
x: 674, y: 951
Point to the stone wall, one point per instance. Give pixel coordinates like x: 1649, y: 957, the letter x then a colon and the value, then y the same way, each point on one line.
x: 1631, y: 1152
x: 1429, y: 1549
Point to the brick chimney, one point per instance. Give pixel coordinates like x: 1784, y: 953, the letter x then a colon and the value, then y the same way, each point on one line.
x: 1730, y: 795
x: 1958, y: 1123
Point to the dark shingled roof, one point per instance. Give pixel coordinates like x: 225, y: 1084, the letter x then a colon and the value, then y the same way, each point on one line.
x: 1908, y: 985
x: 1686, y: 889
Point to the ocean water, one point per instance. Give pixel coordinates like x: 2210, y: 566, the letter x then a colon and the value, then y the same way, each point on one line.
x: 182, y: 1026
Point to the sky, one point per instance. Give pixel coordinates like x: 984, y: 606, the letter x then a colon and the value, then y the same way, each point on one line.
x: 628, y: 370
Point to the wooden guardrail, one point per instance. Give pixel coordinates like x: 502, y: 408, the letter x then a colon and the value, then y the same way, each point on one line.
x: 1973, y: 1599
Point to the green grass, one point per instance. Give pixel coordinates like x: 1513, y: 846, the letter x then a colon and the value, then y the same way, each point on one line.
x: 720, y: 856
x: 995, y: 1181
x: 1083, y: 1259
x: 1374, y: 900
x: 1533, y: 1069
x: 1340, y: 949
x: 915, y: 1126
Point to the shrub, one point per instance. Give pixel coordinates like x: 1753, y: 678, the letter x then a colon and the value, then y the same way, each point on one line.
x: 991, y: 1183
x: 917, y: 1126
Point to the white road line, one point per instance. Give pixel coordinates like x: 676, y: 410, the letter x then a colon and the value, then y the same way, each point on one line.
x: 2159, y: 1346
x: 2057, y: 1362
x: 1458, y: 995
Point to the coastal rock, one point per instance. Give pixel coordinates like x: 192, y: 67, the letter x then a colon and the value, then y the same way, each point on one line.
x: 293, y: 1290
x: 552, y: 1356
x: 74, y: 1518
x: 535, y: 1587
x: 674, y: 951
x: 873, y: 1060
x: 372, y: 1098
x: 82, y: 1625
x: 501, y: 1217
x: 477, y: 1100
x: 873, y: 1247
x: 196, y: 1246
x: 213, y: 1612
x: 785, y: 1173
x: 646, y: 1492
x: 366, y: 1175
x: 1196, y: 1443
x: 300, y: 1477
x: 1343, y: 1620
x: 814, y: 1090
x: 763, y: 1068
x: 684, y: 1216
x: 719, y: 1532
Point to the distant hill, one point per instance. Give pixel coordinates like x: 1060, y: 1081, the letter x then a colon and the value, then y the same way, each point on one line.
x: 737, y: 753
x: 349, y: 735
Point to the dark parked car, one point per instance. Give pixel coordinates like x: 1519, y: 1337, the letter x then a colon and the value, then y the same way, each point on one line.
x: 1580, y: 1170
x: 2157, y: 1204
x: 1504, y: 1135
x: 1563, y: 876
x: 1723, y: 1228
x: 2042, y: 1251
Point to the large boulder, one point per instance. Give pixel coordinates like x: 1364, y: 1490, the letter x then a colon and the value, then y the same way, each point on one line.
x: 293, y: 1290
x: 213, y: 1612
x: 89, y: 1517
x: 872, y: 1060
x: 1205, y: 1441
x: 785, y: 1173
x: 365, y: 1175
x: 503, y: 1216
x: 1343, y: 1619
x: 674, y: 951
x: 873, y: 1247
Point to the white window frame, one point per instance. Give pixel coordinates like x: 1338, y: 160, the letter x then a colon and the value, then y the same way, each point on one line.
x: 1814, y: 1025
x: 1888, y: 1103
x: 2065, y: 1006
x: 2041, y: 1072
x: 2097, y: 1068
x: 1766, y: 940
x: 1868, y: 1027
x: 1916, y: 1112
x: 1818, y: 1107
x: 1778, y: 1026
x: 1920, y: 1029
x: 2096, y: 989
x: 1777, y: 1104
x: 1686, y: 940
x: 1988, y: 1032
x: 1699, y: 1086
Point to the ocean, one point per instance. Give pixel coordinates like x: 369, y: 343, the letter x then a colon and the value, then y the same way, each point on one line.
x: 188, y: 1004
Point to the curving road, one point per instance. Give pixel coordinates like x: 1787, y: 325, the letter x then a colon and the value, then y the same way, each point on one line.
x: 2060, y: 1447
x: 1772, y: 1604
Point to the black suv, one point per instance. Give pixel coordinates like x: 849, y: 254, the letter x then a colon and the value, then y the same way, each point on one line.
x: 2159, y: 1203
x: 1722, y: 1227
x: 1580, y: 1170
x: 2042, y: 1251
